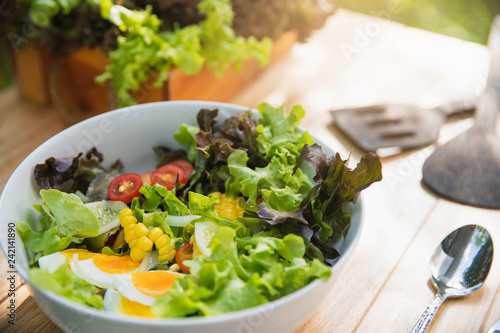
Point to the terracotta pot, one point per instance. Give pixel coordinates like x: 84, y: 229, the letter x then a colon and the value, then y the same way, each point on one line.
x: 69, y: 82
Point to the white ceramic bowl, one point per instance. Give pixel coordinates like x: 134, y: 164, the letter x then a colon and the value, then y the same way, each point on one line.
x: 129, y: 134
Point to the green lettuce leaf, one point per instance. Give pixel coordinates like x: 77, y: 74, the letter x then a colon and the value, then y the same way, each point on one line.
x: 66, y: 284
x: 202, y: 205
x: 240, y: 273
x: 144, y: 51
x: 158, y: 196
x: 279, y: 187
x: 279, y: 134
x: 42, y: 243
x: 186, y: 136
x: 70, y: 214
x: 64, y: 219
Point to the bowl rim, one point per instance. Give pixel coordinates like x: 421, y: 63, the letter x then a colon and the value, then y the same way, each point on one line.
x: 185, y: 321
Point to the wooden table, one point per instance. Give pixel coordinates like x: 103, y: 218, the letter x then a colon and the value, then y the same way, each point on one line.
x: 354, y: 60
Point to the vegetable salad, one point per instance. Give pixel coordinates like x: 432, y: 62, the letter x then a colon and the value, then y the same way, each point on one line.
x: 250, y: 211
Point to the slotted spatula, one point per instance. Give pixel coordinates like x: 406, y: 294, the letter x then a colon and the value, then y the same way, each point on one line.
x: 389, y: 129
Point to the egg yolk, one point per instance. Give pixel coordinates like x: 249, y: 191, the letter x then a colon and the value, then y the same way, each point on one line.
x: 82, y: 254
x: 115, y: 264
x: 153, y: 283
x: 132, y: 308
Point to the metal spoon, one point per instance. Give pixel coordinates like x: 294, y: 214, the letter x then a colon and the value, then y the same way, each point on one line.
x: 467, y: 169
x: 495, y: 328
x: 458, y: 266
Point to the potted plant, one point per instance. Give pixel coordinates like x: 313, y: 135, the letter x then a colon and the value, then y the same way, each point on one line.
x: 97, y: 54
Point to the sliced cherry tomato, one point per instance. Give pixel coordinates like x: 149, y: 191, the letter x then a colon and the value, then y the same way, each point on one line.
x: 185, y: 252
x: 146, y: 177
x: 167, y: 176
x: 125, y: 187
x: 186, y: 167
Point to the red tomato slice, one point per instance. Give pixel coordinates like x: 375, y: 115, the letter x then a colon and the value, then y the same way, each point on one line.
x: 185, y: 252
x: 125, y: 187
x: 167, y: 176
x: 146, y: 177
x: 186, y: 167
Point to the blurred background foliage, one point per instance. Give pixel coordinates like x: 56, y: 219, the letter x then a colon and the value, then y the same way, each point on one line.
x: 5, y: 68
x: 465, y: 19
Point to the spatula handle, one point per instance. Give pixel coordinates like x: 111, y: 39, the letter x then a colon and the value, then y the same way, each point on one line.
x: 463, y: 108
x: 487, y: 111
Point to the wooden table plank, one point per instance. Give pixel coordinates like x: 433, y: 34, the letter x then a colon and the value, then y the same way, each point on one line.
x: 29, y: 316
x: 23, y: 127
x: 406, y: 294
x: 494, y: 312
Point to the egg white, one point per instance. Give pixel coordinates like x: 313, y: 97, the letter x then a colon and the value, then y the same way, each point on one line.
x: 88, y: 271
x: 125, y: 286
x: 112, y: 303
x: 52, y: 261
x: 111, y: 300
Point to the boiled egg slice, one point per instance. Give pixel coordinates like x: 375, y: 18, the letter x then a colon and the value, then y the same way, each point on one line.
x: 145, y: 287
x: 52, y: 261
x: 102, y: 269
x: 114, y: 302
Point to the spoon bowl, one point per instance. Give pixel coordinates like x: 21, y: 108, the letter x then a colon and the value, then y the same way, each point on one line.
x: 459, y: 267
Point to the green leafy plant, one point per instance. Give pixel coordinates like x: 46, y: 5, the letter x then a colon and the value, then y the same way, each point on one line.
x: 145, y: 49
x: 145, y: 39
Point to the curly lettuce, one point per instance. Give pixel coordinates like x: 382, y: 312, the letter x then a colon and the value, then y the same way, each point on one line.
x: 65, y: 219
x: 144, y: 51
x: 240, y: 273
x: 65, y: 283
x: 270, y: 162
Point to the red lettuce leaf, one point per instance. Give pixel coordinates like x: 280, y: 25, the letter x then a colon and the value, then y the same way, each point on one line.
x: 55, y: 171
x: 337, y: 185
x: 73, y: 174
x: 274, y: 217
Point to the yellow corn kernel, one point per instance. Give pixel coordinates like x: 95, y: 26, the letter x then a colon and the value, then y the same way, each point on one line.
x: 128, y: 228
x: 132, y: 243
x: 167, y: 257
x: 129, y: 236
x: 227, y: 207
x: 125, y: 212
x: 144, y: 243
x: 126, y: 217
x: 162, y: 241
x: 174, y: 268
x: 166, y: 249
x: 140, y: 230
x: 137, y: 254
x: 126, y: 221
x: 155, y: 233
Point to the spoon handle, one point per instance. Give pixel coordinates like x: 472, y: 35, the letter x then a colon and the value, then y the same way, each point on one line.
x: 428, y: 314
